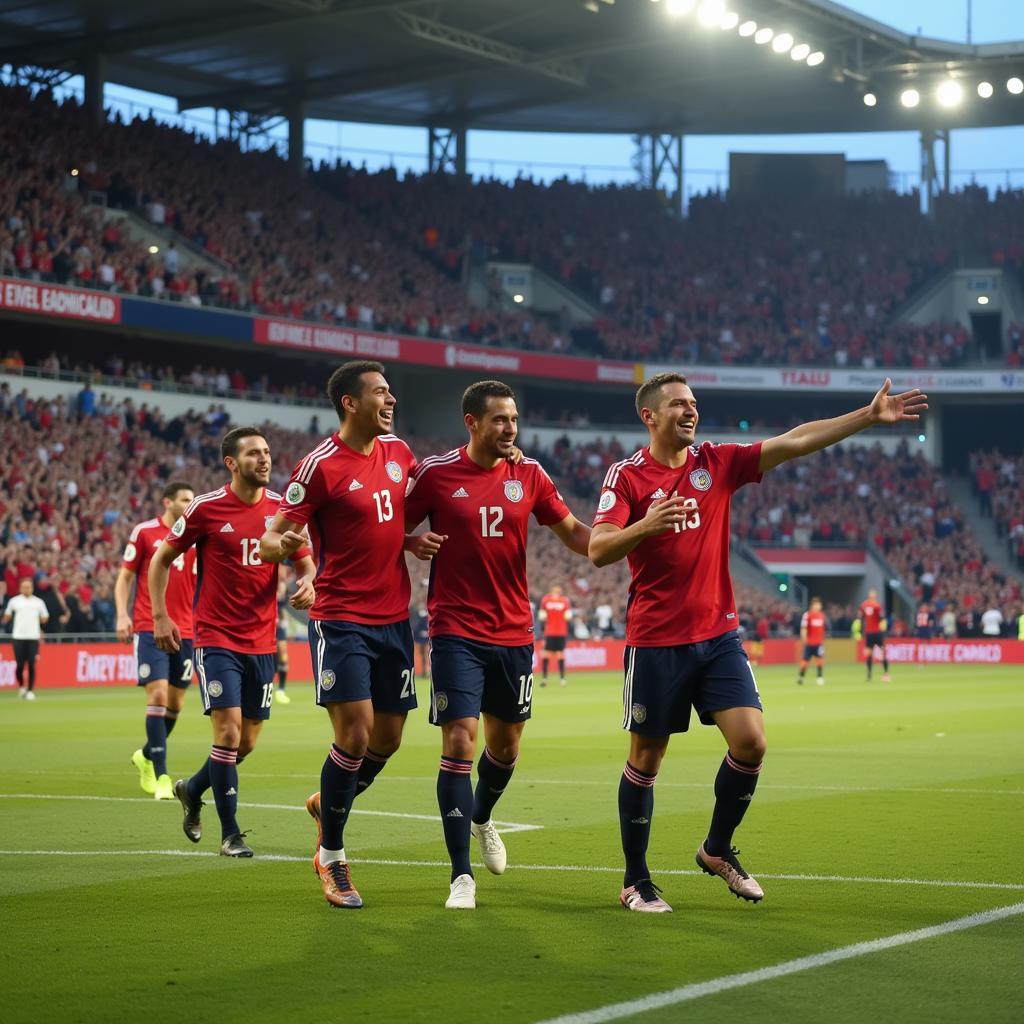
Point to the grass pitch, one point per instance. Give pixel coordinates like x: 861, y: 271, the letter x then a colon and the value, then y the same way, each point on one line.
x: 882, y: 810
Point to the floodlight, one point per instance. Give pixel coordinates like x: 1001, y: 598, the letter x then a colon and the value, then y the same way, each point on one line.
x: 949, y: 93
x: 870, y: 99
x: 782, y: 43
x: 729, y: 20
x: 677, y: 8
x: 815, y: 59
x: 748, y: 28
x: 710, y: 12
x: 910, y: 97
x: 154, y: 249
x: 800, y: 51
x: 518, y: 297
x: 1015, y: 85
x: 985, y: 90
x: 982, y: 300
x: 763, y: 35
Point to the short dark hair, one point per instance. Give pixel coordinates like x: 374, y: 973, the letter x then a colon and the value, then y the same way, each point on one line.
x: 172, y: 489
x: 231, y: 443
x: 474, y: 398
x: 646, y: 390
x: 347, y: 379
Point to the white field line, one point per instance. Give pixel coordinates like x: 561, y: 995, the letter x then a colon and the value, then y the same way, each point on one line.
x: 573, y: 868
x: 505, y: 826
x: 688, y: 993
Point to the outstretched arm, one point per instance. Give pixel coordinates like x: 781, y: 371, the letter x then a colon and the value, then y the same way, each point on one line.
x: 573, y: 534
x: 812, y: 437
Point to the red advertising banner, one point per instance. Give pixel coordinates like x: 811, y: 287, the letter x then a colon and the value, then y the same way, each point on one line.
x: 53, y: 300
x: 425, y: 352
x: 978, y: 651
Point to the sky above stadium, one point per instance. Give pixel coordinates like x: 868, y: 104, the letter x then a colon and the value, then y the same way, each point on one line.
x: 991, y: 156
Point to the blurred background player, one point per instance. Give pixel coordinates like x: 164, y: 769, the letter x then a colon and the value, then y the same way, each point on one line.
x: 235, y: 622
x: 30, y: 615
x: 280, y: 696
x: 350, y: 489
x: 481, y: 624
x: 555, y: 612
x: 666, y: 509
x: 872, y: 626
x: 813, y: 625
x: 924, y: 622
x: 165, y: 677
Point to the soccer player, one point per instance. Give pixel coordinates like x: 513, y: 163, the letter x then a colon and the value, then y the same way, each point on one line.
x: 481, y: 624
x: 280, y: 696
x: 872, y: 625
x: 666, y: 510
x: 555, y: 613
x: 925, y: 622
x: 813, y: 625
x: 165, y: 677
x: 350, y: 490
x: 235, y: 619
x: 29, y: 614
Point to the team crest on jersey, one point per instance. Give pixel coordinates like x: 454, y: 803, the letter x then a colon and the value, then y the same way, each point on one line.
x: 215, y: 689
x: 295, y: 493
x: 267, y: 521
x: 441, y: 701
x: 144, y: 671
x: 179, y: 526
x: 639, y: 713
x: 514, y: 490
x: 327, y: 679
x: 394, y: 470
x: 701, y: 479
x: 129, y: 553
x: 607, y: 501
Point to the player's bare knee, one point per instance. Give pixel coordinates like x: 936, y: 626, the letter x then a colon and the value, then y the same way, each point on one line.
x: 227, y: 734
x: 750, y: 748
x: 459, y: 741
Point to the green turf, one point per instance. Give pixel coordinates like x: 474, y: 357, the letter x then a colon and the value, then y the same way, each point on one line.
x: 918, y: 779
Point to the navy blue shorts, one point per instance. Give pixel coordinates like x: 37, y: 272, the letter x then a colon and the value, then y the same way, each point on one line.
x: 875, y: 640
x: 664, y: 683
x: 228, y: 679
x: 554, y: 644
x: 469, y: 677
x: 356, y: 662
x: 813, y: 651
x: 156, y: 664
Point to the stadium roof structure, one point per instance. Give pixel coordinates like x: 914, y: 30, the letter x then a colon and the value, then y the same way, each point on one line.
x: 664, y: 67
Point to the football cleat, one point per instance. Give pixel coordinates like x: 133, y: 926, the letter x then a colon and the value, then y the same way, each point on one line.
x: 338, y: 888
x: 191, y: 826
x: 885, y: 678
x: 313, y: 806
x: 821, y: 680
x: 30, y: 695
x: 147, y: 777
x: 729, y: 869
x: 492, y: 849
x: 463, y: 894
x: 164, y: 788
x: 235, y: 846
x: 280, y: 697
x: 644, y: 897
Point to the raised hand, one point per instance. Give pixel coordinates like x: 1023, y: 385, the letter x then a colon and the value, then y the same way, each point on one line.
x: 889, y: 408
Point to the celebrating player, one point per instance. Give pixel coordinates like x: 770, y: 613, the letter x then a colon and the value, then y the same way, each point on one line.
x: 813, y: 624
x: 350, y: 489
x: 666, y: 509
x: 481, y: 625
x: 235, y: 619
x: 873, y: 626
x: 555, y: 613
x: 166, y: 677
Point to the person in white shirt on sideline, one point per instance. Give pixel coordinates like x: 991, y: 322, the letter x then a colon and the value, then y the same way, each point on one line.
x: 29, y: 614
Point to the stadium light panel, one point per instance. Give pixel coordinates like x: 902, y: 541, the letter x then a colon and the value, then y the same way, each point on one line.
x: 748, y: 28
x: 982, y: 300
x: 800, y: 51
x: 782, y: 43
x: 815, y: 59
x: 870, y: 99
x: 910, y: 98
x: 679, y: 8
x: 985, y: 90
x: 949, y: 93
x: 154, y: 249
x: 729, y: 21
x: 922, y: 438
x: 710, y: 12
x: 517, y: 297
x: 763, y: 35
x: 1015, y: 85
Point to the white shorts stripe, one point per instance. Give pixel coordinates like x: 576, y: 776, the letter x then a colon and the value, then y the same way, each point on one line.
x: 321, y: 645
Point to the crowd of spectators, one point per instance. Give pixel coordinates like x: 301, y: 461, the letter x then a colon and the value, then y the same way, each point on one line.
x: 738, y: 281
x: 998, y: 482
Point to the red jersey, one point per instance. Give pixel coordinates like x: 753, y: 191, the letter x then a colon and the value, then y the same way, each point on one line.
x: 478, y: 586
x: 558, y: 609
x: 871, y: 616
x: 236, y: 591
x: 354, y: 505
x: 181, y: 587
x: 814, y: 623
x: 680, y: 591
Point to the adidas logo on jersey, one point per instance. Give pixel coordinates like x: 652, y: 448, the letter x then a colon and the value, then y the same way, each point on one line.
x: 454, y: 813
x: 460, y: 493
x: 659, y: 493
x: 232, y: 792
x: 227, y: 528
x: 355, y: 486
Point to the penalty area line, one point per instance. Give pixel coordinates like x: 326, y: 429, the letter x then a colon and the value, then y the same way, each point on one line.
x: 688, y: 993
